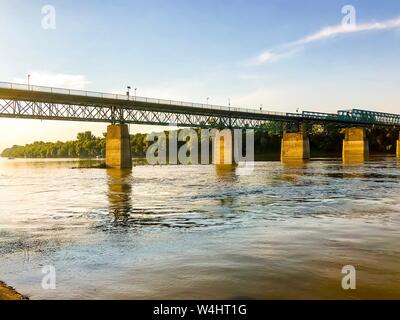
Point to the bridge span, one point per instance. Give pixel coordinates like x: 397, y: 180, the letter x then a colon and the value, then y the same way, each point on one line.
x: 48, y: 103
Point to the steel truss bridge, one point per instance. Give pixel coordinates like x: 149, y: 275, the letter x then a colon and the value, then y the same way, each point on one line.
x: 46, y: 103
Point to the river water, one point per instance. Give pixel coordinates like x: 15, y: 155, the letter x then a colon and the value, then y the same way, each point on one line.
x: 163, y: 232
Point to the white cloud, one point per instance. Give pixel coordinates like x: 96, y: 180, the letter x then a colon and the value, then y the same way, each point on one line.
x: 276, y: 54
x: 288, y: 49
x: 266, y: 56
x: 251, y: 76
x: 330, y: 32
x: 60, y: 80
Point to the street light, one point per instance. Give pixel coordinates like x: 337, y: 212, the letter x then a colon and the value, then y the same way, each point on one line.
x: 230, y: 119
x: 261, y: 105
x: 208, y: 98
x: 127, y: 92
x: 29, y: 76
x: 135, y: 93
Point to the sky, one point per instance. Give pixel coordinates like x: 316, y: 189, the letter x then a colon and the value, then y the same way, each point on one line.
x: 282, y: 54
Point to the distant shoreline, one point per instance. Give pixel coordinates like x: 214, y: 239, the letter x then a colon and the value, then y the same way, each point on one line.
x: 9, y: 293
x: 261, y: 156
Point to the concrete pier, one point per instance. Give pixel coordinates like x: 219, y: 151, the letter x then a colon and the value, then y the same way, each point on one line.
x: 118, y: 147
x: 398, y: 148
x: 223, y: 148
x: 355, y: 145
x: 295, y: 146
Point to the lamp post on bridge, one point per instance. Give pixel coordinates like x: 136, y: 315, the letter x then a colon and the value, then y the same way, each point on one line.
x: 229, y: 113
x: 29, y: 85
x: 121, y: 111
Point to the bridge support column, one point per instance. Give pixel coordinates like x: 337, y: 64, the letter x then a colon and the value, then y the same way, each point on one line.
x: 355, y: 145
x: 295, y: 146
x: 223, y: 148
x: 118, y: 147
x: 398, y: 148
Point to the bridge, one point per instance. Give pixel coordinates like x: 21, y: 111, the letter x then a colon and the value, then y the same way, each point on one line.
x: 48, y: 103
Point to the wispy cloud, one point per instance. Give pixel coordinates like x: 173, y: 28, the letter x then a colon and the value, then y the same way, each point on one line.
x: 251, y: 76
x: 73, y: 81
x: 290, y: 48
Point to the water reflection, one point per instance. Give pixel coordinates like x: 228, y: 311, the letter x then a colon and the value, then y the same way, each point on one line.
x: 293, y: 170
x: 294, y: 164
x: 226, y: 172
x: 290, y: 228
x: 119, y: 192
x: 354, y: 159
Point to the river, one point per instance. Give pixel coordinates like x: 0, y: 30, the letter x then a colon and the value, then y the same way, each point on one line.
x: 164, y: 232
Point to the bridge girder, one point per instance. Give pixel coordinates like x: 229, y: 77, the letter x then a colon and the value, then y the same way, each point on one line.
x: 46, y: 103
x: 113, y: 114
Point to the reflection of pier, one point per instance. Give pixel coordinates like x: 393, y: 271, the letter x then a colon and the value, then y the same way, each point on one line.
x: 226, y: 172
x: 294, y: 164
x: 119, y: 192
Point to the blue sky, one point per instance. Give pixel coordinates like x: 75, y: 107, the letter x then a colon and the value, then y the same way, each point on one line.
x: 191, y: 50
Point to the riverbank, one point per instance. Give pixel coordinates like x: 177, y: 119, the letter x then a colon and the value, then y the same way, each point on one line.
x: 9, y: 293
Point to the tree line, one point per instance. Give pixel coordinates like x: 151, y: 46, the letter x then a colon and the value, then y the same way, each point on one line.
x: 322, y: 139
x: 86, y: 145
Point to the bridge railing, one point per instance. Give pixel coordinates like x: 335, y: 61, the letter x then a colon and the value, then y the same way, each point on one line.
x: 370, y: 116
x: 74, y: 92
